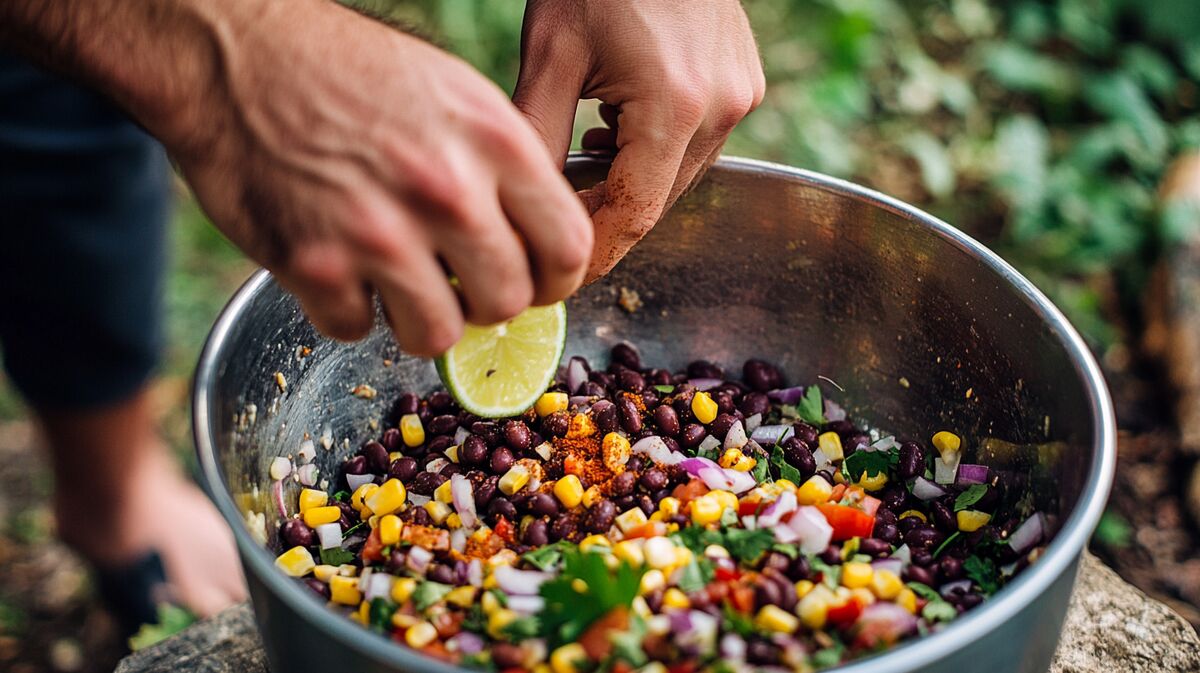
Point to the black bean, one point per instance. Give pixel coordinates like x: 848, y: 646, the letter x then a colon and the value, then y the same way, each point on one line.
x: 775, y: 560
x: 799, y: 456
x: 634, y: 464
x: 703, y: 369
x: 970, y: 601
x: 667, y: 420
x: 873, y: 546
x: 989, y: 500
x: 805, y: 433
x: 922, y: 557
x: 404, y: 469
x: 543, y: 504
x: 693, y: 434
x: 924, y: 537
x: 832, y: 554
x: 907, y: 524
x: 646, y: 504
x: 631, y: 381
x: 912, y: 461
x: 653, y: 479
x: 649, y: 398
x: 843, y: 428
x: 450, y: 469
x: 787, y: 590
x: 296, y: 533
x: 631, y: 419
x: 626, y: 355
x: 408, y: 404
x: 761, y: 376
x: 485, y: 489
x: 755, y: 403
x: 950, y: 569
x: 625, y: 502
x: 376, y: 455
x: 418, y: 516
x: 439, y: 401
x: 894, y: 497
x: 563, y: 527
x: 537, y: 533
x: 489, y: 431
x: 601, y: 378
x: 502, y: 506
x: 672, y: 445
x: 766, y: 592
x: 466, y: 419
x: 827, y: 475
x: 943, y: 517
x: 517, y: 435
x: 444, y: 424
x: 355, y: 465
x: 623, y: 483
x: 724, y: 402
x: 318, y: 587
x: 654, y: 600
x: 915, y: 573
x: 600, y: 517
x: 856, y: 442
x: 424, y: 413
x: 887, y: 532
x: 392, y: 440
x: 473, y: 450
x: 721, y: 424
x: 424, y: 483
x: 762, y: 653
x: 883, y: 515
x: 659, y: 377
x: 556, y: 424
x: 440, y: 443
x: 501, y: 460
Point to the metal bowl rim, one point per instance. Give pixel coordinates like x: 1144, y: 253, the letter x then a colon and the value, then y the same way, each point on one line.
x: 1060, y: 554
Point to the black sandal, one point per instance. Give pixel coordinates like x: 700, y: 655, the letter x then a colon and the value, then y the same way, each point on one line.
x: 134, y: 591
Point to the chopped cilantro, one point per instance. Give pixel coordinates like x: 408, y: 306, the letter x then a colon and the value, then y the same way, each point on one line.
x: 546, y: 557
x: 696, y: 538
x: 785, y: 469
x: 501, y: 597
x: 982, y: 572
x: 969, y: 497
x: 869, y: 463
x: 380, y: 614
x: 713, y: 454
x: 925, y: 591
x: 475, y: 621
x: 568, y: 612
x: 747, y: 545
x: 830, y: 656
x: 479, y: 661
x: 811, y: 408
x: 664, y: 389
x: 696, y: 575
x: 789, y: 550
x: 761, y: 471
x: 738, y: 622
x: 829, y: 573
x: 336, y: 556
x: 522, y: 628
x: 427, y: 593
x: 729, y: 517
x: 938, y: 552
x: 342, y: 496
x: 627, y: 645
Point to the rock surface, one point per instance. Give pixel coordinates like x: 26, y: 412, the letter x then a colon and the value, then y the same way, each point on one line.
x: 1111, y: 627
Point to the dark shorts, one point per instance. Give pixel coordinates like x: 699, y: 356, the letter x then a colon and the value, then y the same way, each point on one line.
x: 84, y: 200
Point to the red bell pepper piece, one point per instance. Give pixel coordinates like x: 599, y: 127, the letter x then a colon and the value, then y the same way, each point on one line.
x: 847, y: 522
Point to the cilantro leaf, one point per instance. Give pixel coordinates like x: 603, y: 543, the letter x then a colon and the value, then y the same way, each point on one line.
x: 925, y: 591
x: 737, y: 622
x: 761, y: 471
x: 522, y: 628
x: 969, y: 497
x: 785, y: 469
x: 696, y: 575
x: 946, y: 543
x: 811, y: 408
x: 696, y: 538
x: 342, y: 496
x: 664, y: 389
x: 336, y: 556
x: 380, y: 614
x: 829, y: 573
x: 982, y: 572
x: 569, y: 612
x: 475, y: 621
x: 830, y: 656
x: 627, y: 645
x: 747, y: 545
x: 789, y: 550
x: 869, y: 463
x: 546, y: 557
x: 427, y: 593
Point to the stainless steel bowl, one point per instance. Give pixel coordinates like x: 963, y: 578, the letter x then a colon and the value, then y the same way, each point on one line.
x: 920, y: 325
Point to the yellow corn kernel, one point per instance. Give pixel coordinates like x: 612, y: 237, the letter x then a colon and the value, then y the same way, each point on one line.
x: 373, y: 521
x: 402, y: 589
x: 971, y: 520
x: 549, y: 403
x: 652, y: 580
x: 640, y: 607
x: 389, y: 529
x: 864, y: 595
x: 831, y: 445
x: 591, y: 496
x: 541, y: 668
x: 856, y: 574
x: 704, y: 408
x: 726, y: 499
x: 438, y: 511
x: 566, y: 659
x: 785, y: 484
x: 569, y: 491
x: 363, y: 614
x: 630, y: 519
x: 361, y: 494
x: 442, y: 493
x: 388, y: 499
x: 946, y: 443
x: 615, y: 451
x: 325, y: 572
x: 504, y: 557
x: 463, y: 596
x: 803, y: 587
x: 296, y: 562
x: 715, y: 551
x: 912, y: 512
x: 659, y: 552
x: 745, y: 464
x: 513, y: 480
x: 629, y: 551
x: 344, y: 590
x: 579, y: 586
x: 394, y: 456
x: 683, y: 556
x: 669, y: 506
x: 454, y: 521
x: 814, y: 491
x: 674, y: 598
x: 873, y: 483
x: 813, y: 609
x: 411, y: 430
x: 730, y: 457
x: 886, y: 584
x: 657, y: 516
x: 706, y: 510
x: 311, y: 497
x: 452, y: 454
x: 582, y: 426
x: 403, y: 621
x: 489, y: 603
x: 319, y: 515
x: 907, y: 600
x: 498, y: 620
x: 594, y: 541
x: 420, y: 634
x: 347, y: 570
x: 776, y: 619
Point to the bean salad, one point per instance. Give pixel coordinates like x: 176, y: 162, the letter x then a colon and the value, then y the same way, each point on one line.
x: 638, y: 519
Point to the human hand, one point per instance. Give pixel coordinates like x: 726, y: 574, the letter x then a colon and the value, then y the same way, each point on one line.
x: 674, y: 80
x: 345, y: 156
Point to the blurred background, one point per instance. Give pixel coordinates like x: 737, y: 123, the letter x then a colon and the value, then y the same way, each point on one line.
x: 1043, y: 128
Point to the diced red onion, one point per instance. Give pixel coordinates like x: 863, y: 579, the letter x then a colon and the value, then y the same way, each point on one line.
x: 378, y: 585
x: 464, y: 500
x: 436, y: 465
x: 465, y: 642
x: 280, y: 468
x: 785, y: 533
x: 577, y: 375
x: 418, y: 558
x: 773, y: 513
x: 750, y: 522
x: 822, y: 461
x: 417, y: 499
x: 475, y: 573
x: 956, y: 587
x: 460, y: 435
x: 883, y: 623
x: 736, y: 437
x: 458, y: 539
x: 519, y: 582
x: 1028, y: 533
x: 307, y: 474
x: 705, y: 384
x: 708, y: 444
x: 307, y: 451
x: 833, y: 411
x: 926, y: 490
x: 812, y: 529
x: 526, y: 605
x: 892, y: 565
x: 715, y: 477
x: 330, y: 535
x: 356, y: 480
x: 943, y: 472
x: 277, y: 493
x: 885, y: 444
x: 769, y: 434
x: 732, y: 647
x: 752, y: 422
x: 656, y: 449
x: 787, y: 395
x: 544, y: 450
x: 971, y: 474
x: 579, y: 400
x: 904, y: 554
x: 1010, y: 569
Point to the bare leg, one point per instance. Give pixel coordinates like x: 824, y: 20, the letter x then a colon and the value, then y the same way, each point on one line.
x: 119, y: 494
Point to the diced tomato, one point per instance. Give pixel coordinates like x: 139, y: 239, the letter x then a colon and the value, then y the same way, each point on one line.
x: 504, y: 529
x: 847, y: 522
x: 838, y: 492
x: 437, y: 650
x: 742, y: 599
x: 682, y: 667
x: 373, y: 548
x: 690, y: 491
x: 595, y: 640
x: 747, y: 508
x: 621, y: 666
x: 844, y: 615
x: 571, y: 464
x: 870, y: 504
x: 717, y: 591
x: 723, y: 574
x: 648, y: 529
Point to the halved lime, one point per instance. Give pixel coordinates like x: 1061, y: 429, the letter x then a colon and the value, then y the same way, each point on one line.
x: 501, y: 370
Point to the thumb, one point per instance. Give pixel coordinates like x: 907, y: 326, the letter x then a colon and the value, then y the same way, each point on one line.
x: 548, y: 99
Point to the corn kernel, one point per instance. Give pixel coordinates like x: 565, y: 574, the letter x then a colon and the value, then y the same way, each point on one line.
x: 659, y: 552
x: 411, y: 430
x: 324, y: 572
x: 579, y: 586
x: 361, y: 494
x: 785, y: 484
x: 402, y: 589
x: 831, y: 445
x: 630, y: 551
x: 504, y: 557
x: 591, y: 496
x: 726, y: 499
x: 363, y: 614
x: 394, y: 456
x: 438, y: 511
x: 814, y: 491
x: 657, y: 516
x: 970, y: 520
x: 674, y: 598
x: 856, y: 574
x: 296, y: 562
x: 907, y: 600
x: 683, y: 556
x: 775, y: 618
x: 454, y: 521
x: 745, y: 464
x: 311, y: 497
x: 319, y: 515
x: 704, y: 408
x: 569, y: 491
x: 452, y: 453
x: 542, y: 668
x: 716, y: 551
x: 403, y: 621
x: 730, y: 458
x: 593, y: 542
x: 630, y: 519
x: 640, y: 607
x: 549, y: 403
x: 863, y: 595
x: 654, y: 667
x: 420, y: 634
x: 463, y: 596
x: 489, y: 603
x: 886, y: 585
x: 566, y: 658
x: 873, y: 483
x: 514, y: 480
x: 389, y: 529
x: 803, y: 587
x: 615, y: 451
x: 581, y: 426
x: 652, y: 580
x: 946, y: 443
x: 373, y: 521
x: 706, y: 510
x: 498, y: 620
x: 912, y: 512
x: 388, y: 499
x: 442, y: 493
x: 813, y: 609
x: 669, y: 506
x: 347, y: 570
x: 344, y: 590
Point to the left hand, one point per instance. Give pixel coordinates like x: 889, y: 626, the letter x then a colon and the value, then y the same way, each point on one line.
x: 673, y: 78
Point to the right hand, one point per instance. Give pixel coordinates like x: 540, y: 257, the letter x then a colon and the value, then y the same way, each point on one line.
x: 346, y: 156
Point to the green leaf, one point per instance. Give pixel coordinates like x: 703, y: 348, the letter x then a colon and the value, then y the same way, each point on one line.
x: 696, y: 538
x: 522, y: 628
x: 171, y: 620
x: 937, y: 168
x: 547, y: 557
x: 762, y: 470
x: 569, y: 612
x: 789, y: 550
x: 1021, y: 69
x: 729, y: 517
x: 475, y: 621
x: 945, y: 543
x: 737, y: 622
x: 336, y: 556
x: 427, y: 593
x: 342, y: 496
x: 925, y: 591
x: 829, y: 656
x: 830, y: 574
x: 664, y: 389
x: 970, y: 496
x: 627, y: 645
x: 380, y: 614
x: 869, y: 463
x: 982, y: 572
x: 785, y: 469
x: 1113, y: 530
x: 696, y: 575
x: 811, y: 407
x: 747, y: 545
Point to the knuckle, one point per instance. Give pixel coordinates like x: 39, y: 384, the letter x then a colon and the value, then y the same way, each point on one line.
x: 732, y: 110
x: 440, y: 186
x: 506, y: 302
x: 688, y: 103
